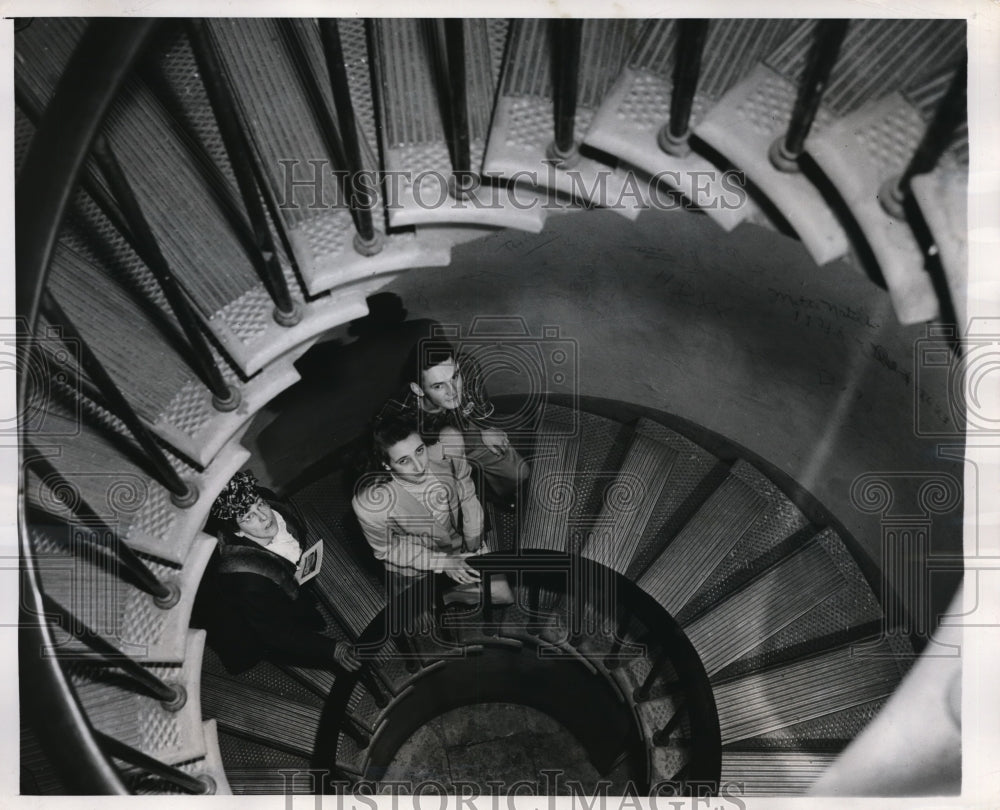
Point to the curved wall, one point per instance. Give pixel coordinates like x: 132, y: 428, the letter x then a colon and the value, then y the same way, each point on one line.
x: 740, y: 332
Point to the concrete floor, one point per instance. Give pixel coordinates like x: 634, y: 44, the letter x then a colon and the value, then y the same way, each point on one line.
x: 493, y: 742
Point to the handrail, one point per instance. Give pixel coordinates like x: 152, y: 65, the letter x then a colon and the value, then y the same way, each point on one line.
x: 660, y: 629
x: 48, y: 177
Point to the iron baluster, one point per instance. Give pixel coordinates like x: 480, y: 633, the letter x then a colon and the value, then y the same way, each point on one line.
x: 949, y: 114
x: 458, y: 112
x: 181, y: 492
x: 662, y: 736
x: 673, y: 137
x: 565, y: 71
x: 785, y: 151
x: 202, y: 784
x: 287, y: 312
x: 367, y: 241
x: 172, y: 697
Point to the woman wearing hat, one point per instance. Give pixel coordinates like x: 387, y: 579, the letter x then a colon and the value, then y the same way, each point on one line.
x: 261, y: 610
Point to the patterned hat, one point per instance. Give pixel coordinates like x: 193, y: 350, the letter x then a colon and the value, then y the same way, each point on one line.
x: 237, y: 497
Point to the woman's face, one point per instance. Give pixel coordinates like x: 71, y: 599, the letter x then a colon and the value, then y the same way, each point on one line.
x: 258, y: 522
x: 407, y: 459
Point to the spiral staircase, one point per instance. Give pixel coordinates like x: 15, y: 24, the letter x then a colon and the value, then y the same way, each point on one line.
x: 165, y: 193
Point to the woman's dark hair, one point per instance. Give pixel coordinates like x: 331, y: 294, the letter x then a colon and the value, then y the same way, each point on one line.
x: 387, y: 429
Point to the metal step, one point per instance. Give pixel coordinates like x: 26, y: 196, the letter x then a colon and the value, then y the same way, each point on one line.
x: 414, y: 135
x: 859, y: 153
x: 523, y: 122
x: 773, y: 773
x: 743, y: 518
x: 95, y: 594
x: 772, y: 699
x: 941, y: 197
x: 115, y: 708
x: 550, y: 489
x: 253, y: 768
x: 633, y: 112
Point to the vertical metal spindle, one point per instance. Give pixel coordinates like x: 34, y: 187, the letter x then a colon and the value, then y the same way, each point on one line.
x: 367, y: 241
x: 374, y: 687
x: 949, y: 114
x: 489, y: 624
x: 673, y: 136
x: 165, y: 595
x: 224, y: 396
x: 458, y: 117
x: 611, y: 660
x: 202, y: 784
x: 534, y: 605
x: 172, y: 698
x: 641, y: 692
x: 181, y: 492
x: 287, y: 311
x: 829, y: 36
x: 565, y: 74
x: 662, y: 736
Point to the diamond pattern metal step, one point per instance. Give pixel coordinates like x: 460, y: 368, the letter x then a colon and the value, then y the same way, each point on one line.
x: 287, y: 138
x: 860, y: 152
x: 140, y: 721
x: 128, y: 499
x: 253, y: 768
x: 93, y: 592
x: 523, y: 124
x: 414, y: 140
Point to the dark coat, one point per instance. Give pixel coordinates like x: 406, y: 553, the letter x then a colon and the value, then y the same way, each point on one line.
x: 258, y: 609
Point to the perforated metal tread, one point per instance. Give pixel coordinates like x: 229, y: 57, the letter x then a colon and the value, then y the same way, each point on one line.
x: 550, y: 492
x: 744, y: 513
x: 253, y: 768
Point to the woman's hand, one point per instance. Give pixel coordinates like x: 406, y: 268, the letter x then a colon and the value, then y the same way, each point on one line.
x: 344, y: 655
x: 459, y: 570
x: 495, y: 440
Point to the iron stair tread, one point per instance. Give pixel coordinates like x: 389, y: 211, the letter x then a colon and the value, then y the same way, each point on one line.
x: 941, y: 197
x: 174, y: 403
x: 117, y: 611
x: 625, y: 519
x: 344, y: 571
x: 742, y: 126
x: 768, y: 700
x: 549, y: 489
x: 666, y: 763
x: 254, y: 768
x: 744, y: 506
x: 139, y: 507
x: 144, y: 784
x: 694, y: 475
x: 523, y: 119
x: 596, y: 477
x: 781, y: 530
x: 829, y: 733
x: 745, y: 619
x: 414, y: 140
x: 655, y: 713
x: 771, y: 773
x: 875, y: 54
x: 319, y: 226
x: 880, y: 138
x: 42, y: 51
x: 265, y: 676
x: 852, y: 610
x: 629, y: 119
x: 116, y: 709
x: 260, y: 715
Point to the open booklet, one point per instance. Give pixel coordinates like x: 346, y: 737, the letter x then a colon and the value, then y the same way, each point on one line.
x: 309, y: 563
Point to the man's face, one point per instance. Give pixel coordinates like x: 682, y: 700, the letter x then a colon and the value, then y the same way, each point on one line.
x: 407, y: 459
x: 442, y: 385
x: 258, y: 522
